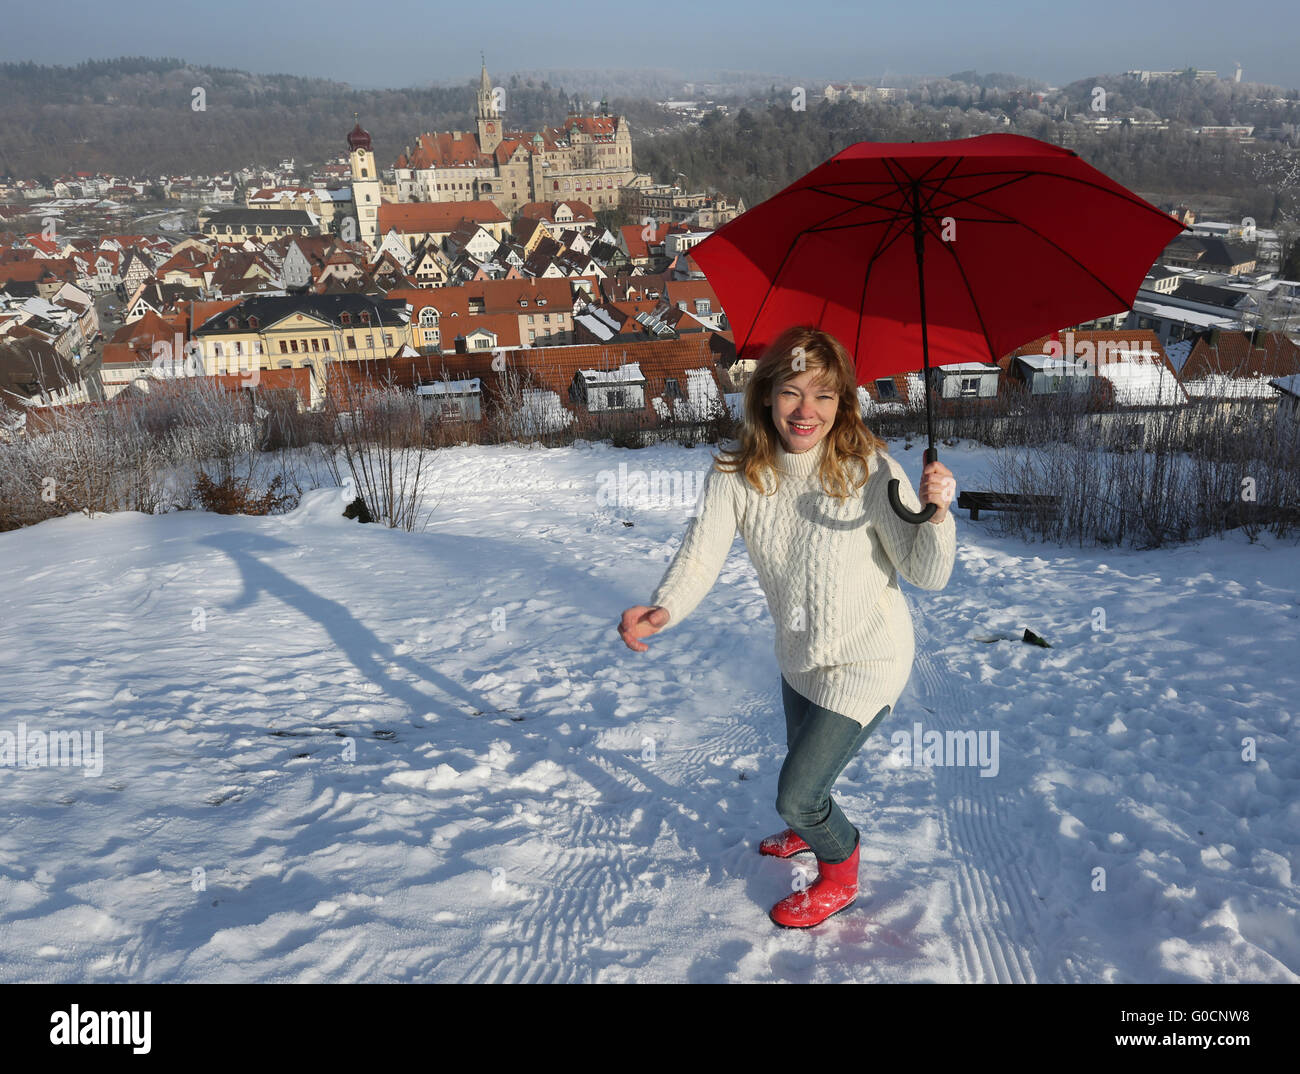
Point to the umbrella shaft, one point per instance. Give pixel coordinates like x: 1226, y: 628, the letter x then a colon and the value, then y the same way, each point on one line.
x: 918, y: 240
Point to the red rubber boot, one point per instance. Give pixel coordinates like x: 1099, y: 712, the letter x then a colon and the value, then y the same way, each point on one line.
x: 835, y: 889
x: 783, y: 844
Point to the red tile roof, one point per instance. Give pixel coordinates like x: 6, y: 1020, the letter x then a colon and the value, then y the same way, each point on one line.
x: 1270, y: 354
x: 436, y: 216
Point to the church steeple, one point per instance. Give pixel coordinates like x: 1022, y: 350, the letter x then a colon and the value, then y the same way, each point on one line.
x: 489, y: 116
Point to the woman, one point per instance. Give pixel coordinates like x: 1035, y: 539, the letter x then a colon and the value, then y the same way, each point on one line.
x: 807, y: 487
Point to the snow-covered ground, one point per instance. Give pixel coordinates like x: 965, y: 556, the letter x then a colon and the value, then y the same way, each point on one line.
x: 335, y: 752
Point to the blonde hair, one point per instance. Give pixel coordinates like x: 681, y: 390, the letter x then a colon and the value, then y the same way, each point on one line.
x: 848, y: 439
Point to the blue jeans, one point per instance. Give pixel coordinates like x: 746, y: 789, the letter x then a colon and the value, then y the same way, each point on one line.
x: 821, y: 744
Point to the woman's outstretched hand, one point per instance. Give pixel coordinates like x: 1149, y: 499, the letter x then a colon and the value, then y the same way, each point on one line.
x: 641, y: 622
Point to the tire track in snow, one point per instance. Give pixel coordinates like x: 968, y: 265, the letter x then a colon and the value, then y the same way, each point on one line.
x: 600, y: 871
x: 992, y: 891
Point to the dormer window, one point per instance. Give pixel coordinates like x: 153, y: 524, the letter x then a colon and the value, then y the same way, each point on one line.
x: 232, y: 322
x: 345, y: 317
x: 253, y: 323
x: 541, y: 302
x: 365, y: 316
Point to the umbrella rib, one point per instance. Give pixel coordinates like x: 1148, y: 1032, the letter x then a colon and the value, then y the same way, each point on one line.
x: 993, y: 357
x: 881, y: 246
x: 771, y: 286
x: 1007, y: 219
x: 1123, y: 195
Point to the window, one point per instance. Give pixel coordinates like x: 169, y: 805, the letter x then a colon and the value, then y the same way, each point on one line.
x: 293, y: 346
x: 701, y: 305
x: 532, y: 336
x: 327, y: 344
x: 886, y: 388
x: 671, y: 388
x: 352, y: 343
x: 370, y: 340
x: 388, y: 339
x: 252, y: 323
x: 616, y: 397
x: 345, y: 317
x: 284, y: 347
x: 971, y: 385
x: 315, y: 345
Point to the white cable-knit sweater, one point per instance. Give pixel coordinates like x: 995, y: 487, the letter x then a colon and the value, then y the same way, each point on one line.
x: 829, y: 570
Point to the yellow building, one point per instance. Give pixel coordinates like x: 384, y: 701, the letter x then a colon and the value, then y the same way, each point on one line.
x: 291, y: 331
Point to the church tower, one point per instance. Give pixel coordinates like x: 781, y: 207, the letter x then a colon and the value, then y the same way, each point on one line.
x: 489, y: 119
x: 365, y: 185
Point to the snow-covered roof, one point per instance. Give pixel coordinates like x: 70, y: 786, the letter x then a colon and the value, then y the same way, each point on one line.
x: 1052, y: 363
x: 628, y: 371
x: 449, y: 387
x: 1139, y: 380
x: 1185, y: 316
x: 1289, y: 385
x: 542, y: 411
x: 1221, y: 386
x: 701, y: 392
x: 1178, y: 352
x: 957, y: 367
x: 599, y: 322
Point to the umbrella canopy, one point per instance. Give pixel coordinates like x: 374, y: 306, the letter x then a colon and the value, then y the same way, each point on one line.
x: 916, y: 254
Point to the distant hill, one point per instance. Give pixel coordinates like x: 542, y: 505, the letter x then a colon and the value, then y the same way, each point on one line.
x: 135, y: 116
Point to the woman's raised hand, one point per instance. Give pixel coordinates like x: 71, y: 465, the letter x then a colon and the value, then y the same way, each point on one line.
x: 640, y: 622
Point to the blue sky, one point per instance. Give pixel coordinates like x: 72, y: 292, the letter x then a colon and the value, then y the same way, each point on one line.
x: 410, y: 43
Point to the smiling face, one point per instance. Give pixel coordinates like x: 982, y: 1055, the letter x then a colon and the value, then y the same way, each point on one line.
x: 803, y: 410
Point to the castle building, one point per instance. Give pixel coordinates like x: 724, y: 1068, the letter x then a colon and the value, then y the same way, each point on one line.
x: 588, y: 159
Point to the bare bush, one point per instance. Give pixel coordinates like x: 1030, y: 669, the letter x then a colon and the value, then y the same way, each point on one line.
x: 1158, y: 476
x: 383, y: 436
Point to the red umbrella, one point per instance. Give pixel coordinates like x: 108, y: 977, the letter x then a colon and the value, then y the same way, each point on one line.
x: 963, y: 249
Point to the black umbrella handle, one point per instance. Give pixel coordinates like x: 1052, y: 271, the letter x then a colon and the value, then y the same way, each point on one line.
x: 904, y: 512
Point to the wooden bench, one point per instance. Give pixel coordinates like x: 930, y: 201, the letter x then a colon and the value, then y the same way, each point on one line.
x: 975, y: 502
